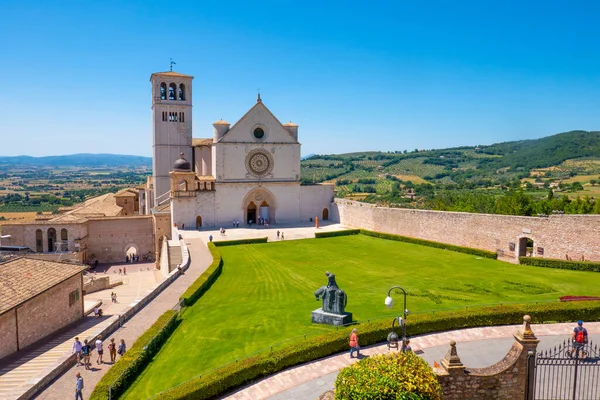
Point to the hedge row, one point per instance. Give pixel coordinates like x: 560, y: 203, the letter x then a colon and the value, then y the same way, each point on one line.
x: 204, y: 281
x: 347, y: 232
x: 240, y: 241
x: 562, y: 264
x: 219, y: 381
x: 129, y: 366
x: 429, y: 243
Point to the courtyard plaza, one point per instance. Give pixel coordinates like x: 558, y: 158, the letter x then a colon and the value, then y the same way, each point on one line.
x: 291, y: 231
x: 21, y: 372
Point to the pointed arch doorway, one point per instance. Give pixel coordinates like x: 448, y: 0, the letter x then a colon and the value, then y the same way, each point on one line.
x: 259, y: 202
x: 198, y: 222
x: 251, y: 213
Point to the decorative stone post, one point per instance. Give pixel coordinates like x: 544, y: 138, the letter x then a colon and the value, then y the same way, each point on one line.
x: 451, y: 362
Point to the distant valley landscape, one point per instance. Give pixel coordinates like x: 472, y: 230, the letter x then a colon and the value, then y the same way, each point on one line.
x: 529, y: 177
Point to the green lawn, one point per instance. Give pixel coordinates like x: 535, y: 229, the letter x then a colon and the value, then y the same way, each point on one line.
x: 265, y: 295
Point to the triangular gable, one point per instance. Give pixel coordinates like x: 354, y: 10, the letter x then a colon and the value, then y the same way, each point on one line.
x: 258, y: 115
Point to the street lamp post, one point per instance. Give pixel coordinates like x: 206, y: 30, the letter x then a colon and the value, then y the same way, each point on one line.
x: 389, y: 302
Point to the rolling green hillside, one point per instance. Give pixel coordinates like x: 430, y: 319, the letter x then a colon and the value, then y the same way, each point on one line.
x: 567, y: 162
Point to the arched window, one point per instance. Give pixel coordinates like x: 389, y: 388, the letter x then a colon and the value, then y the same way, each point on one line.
x: 163, y: 91
x: 64, y: 238
x: 39, y: 242
x: 182, y: 92
x: 51, y: 239
x: 172, y: 91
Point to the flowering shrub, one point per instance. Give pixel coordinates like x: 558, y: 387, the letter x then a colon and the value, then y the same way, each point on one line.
x: 396, y: 376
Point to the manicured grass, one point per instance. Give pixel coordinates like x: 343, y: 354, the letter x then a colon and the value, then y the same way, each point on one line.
x: 265, y: 295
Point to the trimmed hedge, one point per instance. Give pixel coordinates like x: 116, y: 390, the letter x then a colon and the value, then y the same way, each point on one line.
x: 204, y: 281
x: 429, y: 243
x: 126, y: 370
x: 216, y: 382
x: 240, y: 241
x: 347, y: 232
x: 562, y: 264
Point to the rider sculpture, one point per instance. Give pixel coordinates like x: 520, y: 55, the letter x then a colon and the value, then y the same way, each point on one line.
x: 334, y: 298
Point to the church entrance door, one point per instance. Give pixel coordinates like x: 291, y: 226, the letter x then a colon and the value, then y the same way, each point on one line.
x: 198, y: 222
x: 251, y: 213
x: 264, y: 210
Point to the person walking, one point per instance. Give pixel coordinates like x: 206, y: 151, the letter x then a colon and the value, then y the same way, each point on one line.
x: 77, y: 350
x: 354, y: 346
x: 78, y: 386
x: 112, y: 350
x: 281, y: 235
x: 85, y: 352
x: 122, y: 348
x: 580, y: 339
x: 277, y: 234
x: 100, y: 350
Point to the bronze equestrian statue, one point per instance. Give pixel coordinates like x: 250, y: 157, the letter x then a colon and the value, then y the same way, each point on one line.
x: 334, y: 298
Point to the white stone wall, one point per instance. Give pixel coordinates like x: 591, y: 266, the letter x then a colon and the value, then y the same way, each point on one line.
x: 314, y: 199
x: 184, y: 210
x: 231, y: 161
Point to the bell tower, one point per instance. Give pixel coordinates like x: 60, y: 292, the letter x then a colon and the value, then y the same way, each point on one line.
x: 171, y: 127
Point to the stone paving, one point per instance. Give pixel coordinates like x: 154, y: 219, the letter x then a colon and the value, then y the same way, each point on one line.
x: 141, y: 278
x: 318, y: 375
x: 291, y: 232
x: 62, y: 387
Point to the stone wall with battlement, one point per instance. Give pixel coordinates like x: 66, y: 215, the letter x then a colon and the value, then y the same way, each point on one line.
x: 555, y: 236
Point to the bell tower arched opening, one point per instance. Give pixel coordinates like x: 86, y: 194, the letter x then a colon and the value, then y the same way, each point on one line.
x: 51, y: 239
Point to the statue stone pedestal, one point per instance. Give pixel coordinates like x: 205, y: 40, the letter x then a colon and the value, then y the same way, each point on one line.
x: 321, y: 317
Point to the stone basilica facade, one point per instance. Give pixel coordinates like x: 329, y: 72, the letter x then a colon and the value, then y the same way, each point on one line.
x: 244, y: 172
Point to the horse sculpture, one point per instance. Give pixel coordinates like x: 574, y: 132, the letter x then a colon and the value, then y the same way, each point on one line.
x: 334, y: 299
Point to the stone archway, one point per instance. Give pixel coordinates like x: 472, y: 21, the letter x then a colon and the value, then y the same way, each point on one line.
x: 259, y: 202
x: 198, y: 222
x: 325, y: 215
x: 525, y: 246
x: 131, y: 249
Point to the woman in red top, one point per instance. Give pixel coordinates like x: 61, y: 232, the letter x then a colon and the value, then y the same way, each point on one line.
x: 354, y: 344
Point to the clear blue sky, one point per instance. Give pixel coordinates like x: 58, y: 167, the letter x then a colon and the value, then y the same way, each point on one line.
x: 354, y: 75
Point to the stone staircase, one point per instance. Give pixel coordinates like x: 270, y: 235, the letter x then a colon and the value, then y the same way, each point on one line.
x: 39, y: 365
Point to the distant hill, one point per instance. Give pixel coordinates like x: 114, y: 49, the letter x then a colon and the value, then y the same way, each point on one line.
x: 560, y: 156
x: 78, y: 160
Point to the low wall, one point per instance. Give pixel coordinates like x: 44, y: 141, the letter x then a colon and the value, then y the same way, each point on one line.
x: 505, y: 380
x: 97, y: 284
x: 555, y: 236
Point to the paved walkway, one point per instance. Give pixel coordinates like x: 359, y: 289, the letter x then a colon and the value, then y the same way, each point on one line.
x: 304, y: 381
x: 62, y: 388
x: 18, y: 378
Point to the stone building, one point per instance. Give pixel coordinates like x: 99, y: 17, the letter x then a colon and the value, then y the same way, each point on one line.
x: 245, y: 172
x: 37, y: 298
x: 103, y: 228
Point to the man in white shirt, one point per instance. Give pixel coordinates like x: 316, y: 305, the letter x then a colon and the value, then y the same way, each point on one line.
x: 77, y: 350
x: 100, y: 349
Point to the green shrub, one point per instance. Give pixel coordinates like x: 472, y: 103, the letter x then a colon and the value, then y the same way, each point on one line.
x: 429, y: 243
x: 562, y: 264
x: 218, y: 381
x: 204, y: 281
x: 347, y: 232
x: 240, y: 241
x: 388, y: 377
x: 132, y: 363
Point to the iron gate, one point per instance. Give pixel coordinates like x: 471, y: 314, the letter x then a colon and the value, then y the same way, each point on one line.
x: 564, y: 373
